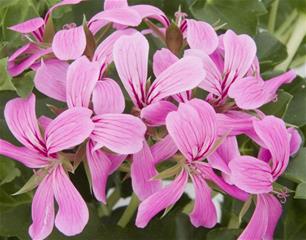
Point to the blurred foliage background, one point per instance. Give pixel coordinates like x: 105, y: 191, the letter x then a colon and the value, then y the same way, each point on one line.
x: 279, y: 29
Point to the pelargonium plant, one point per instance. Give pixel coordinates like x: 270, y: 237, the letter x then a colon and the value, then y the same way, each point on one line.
x: 170, y: 119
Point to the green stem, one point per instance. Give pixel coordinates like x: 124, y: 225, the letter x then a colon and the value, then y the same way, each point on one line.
x: 294, y: 42
x: 272, y: 16
x: 129, y: 211
x: 286, y: 24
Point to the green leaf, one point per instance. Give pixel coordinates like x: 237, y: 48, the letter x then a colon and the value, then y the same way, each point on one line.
x: 8, y: 171
x: 270, y: 51
x: 300, y: 191
x: 224, y: 234
x: 5, y: 78
x: 297, y: 167
x: 296, y: 113
x: 240, y: 15
x: 279, y: 107
x: 24, y: 84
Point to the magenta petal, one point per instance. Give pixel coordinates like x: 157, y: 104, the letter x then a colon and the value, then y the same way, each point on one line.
x: 121, y: 133
x: 163, y: 59
x: 72, y: 215
x: 131, y: 60
x: 155, y: 114
x: 142, y: 172
x: 148, y: 11
x: 68, y: 129
x: 28, y: 26
x: 251, y: 174
x: 258, y: 224
x: 273, y: 133
x: 163, y: 149
x: 99, y: 166
x: 43, y: 210
x: 295, y: 140
x: 82, y: 76
x: 160, y: 200
x: 204, y: 212
x: 50, y: 79
x: 201, y: 35
x: 27, y: 157
x: 21, y: 119
x: 116, y: 161
x: 44, y: 121
x: 185, y: 74
x: 107, y: 97
x: 15, y: 67
x: 69, y: 44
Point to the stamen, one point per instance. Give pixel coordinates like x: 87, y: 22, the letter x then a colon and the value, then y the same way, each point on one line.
x: 282, y: 195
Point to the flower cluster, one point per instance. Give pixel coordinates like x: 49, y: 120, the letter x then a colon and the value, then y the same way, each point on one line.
x: 167, y: 122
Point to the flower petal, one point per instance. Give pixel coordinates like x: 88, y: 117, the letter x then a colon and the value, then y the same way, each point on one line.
x: 21, y: 119
x: 273, y: 133
x: 121, y: 133
x: 107, y: 97
x: 131, y: 60
x: 72, y: 215
x: 193, y: 128
x: 163, y: 149
x: 148, y: 11
x: 99, y: 166
x: 160, y: 200
x: 185, y: 74
x: 204, y: 212
x: 82, y: 77
x: 28, y: 26
x: 110, y: 4
x: 201, y: 35
x: 142, y: 172
x: 251, y: 174
x: 27, y: 157
x: 42, y: 210
x: 295, y: 140
x: 155, y: 114
x: 68, y: 129
x: 60, y: 4
x: 50, y: 79
x: 162, y: 59
x: 69, y: 44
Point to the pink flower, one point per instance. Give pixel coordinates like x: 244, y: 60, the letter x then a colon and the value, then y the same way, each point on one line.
x: 35, y: 28
x: 193, y: 129
x: 67, y: 130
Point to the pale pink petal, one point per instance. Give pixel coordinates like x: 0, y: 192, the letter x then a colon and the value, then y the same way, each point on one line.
x: 68, y: 129
x: 72, y: 215
x: 109, y: 4
x: 227, y: 151
x: 204, y: 213
x: 42, y: 210
x: 69, y: 44
x: 295, y: 140
x: 29, y: 54
x: 251, y: 174
x: 124, y: 15
x: 28, y: 26
x: 142, y: 172
x: 162, y: 59
x: 161, y: 200
x: 155, y: 114
x: 107, y: 97
x: 193, y: 128
x: 27, y: 157
x: 104, y: 51
x: 99, y: 166
x: 50, y: 79
x: 213, y: 78
x: 148, y: 11
x: 131, y: 60
x: 185, y: 74
x: 163, y: 149
x: 273, y: 84
x: 116, y: 160
x: 258, y: 224
x: 240, y: 51
x: 201, y: 35
x: 273, y: 133
x: 21, y: 119
x: 121, y: 133
x: 44, y: 121
x: 82, y: 76
x: 274, y: 209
